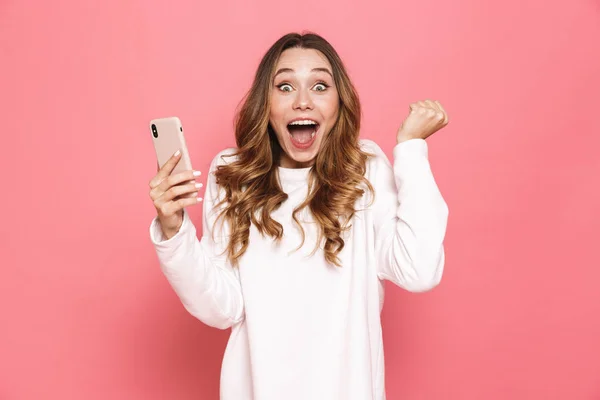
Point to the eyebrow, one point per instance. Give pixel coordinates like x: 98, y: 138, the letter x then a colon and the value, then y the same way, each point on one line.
x: 282, y: 70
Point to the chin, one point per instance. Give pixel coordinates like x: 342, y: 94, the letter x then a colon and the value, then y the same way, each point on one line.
x: 301, y: 161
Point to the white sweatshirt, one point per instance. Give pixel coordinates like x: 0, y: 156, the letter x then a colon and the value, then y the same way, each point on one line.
x: 302, y: 329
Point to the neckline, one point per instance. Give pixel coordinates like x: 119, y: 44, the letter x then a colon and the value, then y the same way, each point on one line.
x: 293, y: 174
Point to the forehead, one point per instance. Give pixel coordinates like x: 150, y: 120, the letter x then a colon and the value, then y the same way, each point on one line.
x: 302, y: 59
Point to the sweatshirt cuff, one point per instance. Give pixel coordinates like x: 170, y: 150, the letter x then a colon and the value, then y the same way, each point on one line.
x: 158, y: 239
x: 411, y: 148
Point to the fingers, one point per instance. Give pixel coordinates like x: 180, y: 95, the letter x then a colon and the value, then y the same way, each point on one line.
x: 183, y: 181
x: 159, y: 186
x: 440, y: 113
x: 431, y: 104
x: 432, y: 109
x: 170, y: 208
x: 425, y: 108
x: 165, y: 189
x: 166, y: 169
x: 424, y: 105
x: 442, y: 110
x: 171, y: 193
x: 175, y: 198
x: 179, y: 190
x: 179, y: 178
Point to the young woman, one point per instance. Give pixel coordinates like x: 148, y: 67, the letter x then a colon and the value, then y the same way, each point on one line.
x: 302, y: 223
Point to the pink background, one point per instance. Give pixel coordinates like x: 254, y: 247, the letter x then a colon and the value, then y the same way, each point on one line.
x: 86, y: 313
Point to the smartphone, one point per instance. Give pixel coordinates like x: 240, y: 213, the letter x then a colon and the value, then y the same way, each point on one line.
x: 167, y: 136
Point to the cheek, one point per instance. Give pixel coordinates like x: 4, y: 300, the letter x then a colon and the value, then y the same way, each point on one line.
x: 330, y: 107
x: 274, y: 106
x: 275, y: 119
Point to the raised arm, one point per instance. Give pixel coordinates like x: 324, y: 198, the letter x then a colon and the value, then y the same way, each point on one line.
x: 201, y: 277
x: 409, y: 217
x: 410, y: 214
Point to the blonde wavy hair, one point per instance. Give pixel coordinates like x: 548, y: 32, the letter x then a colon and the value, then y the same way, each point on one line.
x: 251, y: 185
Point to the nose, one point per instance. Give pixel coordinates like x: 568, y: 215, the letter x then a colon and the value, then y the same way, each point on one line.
x: 303, y: 101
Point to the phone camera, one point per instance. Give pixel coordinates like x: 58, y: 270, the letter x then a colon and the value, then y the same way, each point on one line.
x: 154, y: 131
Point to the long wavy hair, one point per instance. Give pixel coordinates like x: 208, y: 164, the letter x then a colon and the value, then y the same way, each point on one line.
x: 252, y: 189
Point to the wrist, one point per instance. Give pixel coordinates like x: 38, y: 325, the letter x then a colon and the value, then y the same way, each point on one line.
x: 170, y: 231
x: 403, y: 138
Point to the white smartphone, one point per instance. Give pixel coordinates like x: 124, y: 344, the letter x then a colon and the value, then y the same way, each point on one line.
x: 168, y: 137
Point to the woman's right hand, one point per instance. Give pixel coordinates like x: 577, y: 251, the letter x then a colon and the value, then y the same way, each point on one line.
x: 171, y: 193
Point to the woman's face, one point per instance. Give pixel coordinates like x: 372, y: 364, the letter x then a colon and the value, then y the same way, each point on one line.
x: 304, y: 105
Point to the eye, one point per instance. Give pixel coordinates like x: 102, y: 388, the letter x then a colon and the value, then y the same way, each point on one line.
x: 285, y: 87
x: 321, y: 87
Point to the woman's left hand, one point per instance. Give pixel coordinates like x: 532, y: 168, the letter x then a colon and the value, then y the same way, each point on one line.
x: 425, y: 118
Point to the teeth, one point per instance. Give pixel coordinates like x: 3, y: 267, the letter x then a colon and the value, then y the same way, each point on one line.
x: 304, y: 122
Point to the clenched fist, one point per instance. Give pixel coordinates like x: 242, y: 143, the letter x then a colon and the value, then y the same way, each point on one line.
x: 425, y: 118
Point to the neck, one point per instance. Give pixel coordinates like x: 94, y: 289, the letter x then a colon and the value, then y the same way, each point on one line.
x: 286, y: 162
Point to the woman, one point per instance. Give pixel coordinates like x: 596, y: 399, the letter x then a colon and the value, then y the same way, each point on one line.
x: 302, y: 223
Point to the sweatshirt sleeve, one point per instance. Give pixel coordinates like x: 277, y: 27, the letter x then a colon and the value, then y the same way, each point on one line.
x: 200, y: 275
x: 409, y: 217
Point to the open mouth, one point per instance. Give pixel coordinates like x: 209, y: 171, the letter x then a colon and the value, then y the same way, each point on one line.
x: 303, y: 132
